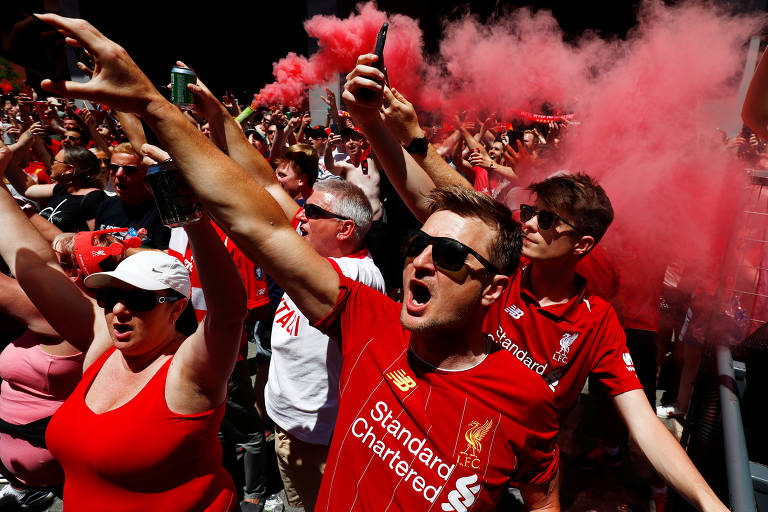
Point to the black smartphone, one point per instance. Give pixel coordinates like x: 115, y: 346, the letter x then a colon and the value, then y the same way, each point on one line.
x: 30, y: 42
x: 381, y: 39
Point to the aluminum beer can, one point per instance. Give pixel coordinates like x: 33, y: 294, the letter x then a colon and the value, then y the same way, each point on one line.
x: 173, y: 196
x: 180, y: 95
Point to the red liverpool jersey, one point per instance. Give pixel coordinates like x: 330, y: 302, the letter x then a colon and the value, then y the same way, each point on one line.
x: 412, y: 437
x: 563, y: 343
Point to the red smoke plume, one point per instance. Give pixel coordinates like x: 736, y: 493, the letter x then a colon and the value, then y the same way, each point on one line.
x: 340, y: 42
x: 649, y: 106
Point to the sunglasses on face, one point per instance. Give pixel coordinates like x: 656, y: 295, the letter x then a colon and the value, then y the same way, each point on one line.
x: 135, y: 299
x: 312, y: 211
x: 447, y: 253
x: 546, y: 217
x: 128, y: 169
x: 70, y: 137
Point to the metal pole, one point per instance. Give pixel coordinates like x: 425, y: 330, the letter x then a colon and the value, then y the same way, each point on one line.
x: 736, y: 459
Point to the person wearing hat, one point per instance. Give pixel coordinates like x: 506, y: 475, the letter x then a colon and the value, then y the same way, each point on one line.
x: 139, y: 430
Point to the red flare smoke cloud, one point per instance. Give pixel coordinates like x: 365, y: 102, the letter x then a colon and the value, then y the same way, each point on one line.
x: 340, y: 42
x: 649, y: 107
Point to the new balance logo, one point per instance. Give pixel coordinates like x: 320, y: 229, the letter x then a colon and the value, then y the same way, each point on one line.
x: 462, y: 498
x: 628, y: 361
x: 401, y: 380
x: 515, y: 312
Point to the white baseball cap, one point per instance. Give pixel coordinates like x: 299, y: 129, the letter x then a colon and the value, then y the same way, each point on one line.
x: 148, y: 270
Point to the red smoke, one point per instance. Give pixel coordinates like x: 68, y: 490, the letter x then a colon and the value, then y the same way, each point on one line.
x: 340, y: 42
x: 648, y: 105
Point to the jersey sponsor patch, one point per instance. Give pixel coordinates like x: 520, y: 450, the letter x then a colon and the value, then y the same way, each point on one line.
x: 514, y: 311
x: 410, y: 457
x: 506, y: 343
x: 401, y: 379
x: 463, y: 496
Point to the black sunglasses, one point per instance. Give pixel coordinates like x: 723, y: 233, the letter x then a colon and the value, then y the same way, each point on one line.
x: 128, y: 169
x: 546, y: 217
x: 447, y: 253
x: 134, y: 299
x: 312, y: 211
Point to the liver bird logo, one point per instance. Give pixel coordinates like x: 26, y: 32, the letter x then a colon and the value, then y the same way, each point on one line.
x: 474, y: 436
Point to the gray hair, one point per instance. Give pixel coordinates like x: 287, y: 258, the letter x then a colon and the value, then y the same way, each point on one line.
x: 351, y: 202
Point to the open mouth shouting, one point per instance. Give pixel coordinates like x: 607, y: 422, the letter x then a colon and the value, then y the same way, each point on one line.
x: 122, y: 331
x: 418, y: 296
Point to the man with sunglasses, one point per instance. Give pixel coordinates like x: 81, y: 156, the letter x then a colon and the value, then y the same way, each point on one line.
x: 428, y: 416
x: 133, y: 205
x: 544, y: 317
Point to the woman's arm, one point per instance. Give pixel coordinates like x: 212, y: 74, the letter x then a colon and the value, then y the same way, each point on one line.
x: 198, y: 377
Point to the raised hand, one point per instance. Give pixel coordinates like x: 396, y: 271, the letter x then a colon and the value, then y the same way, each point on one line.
x: 480, y: 158
x: 116, y: 80
x: 329, y: 99
x: 364, y: 76
x: 400, y: 116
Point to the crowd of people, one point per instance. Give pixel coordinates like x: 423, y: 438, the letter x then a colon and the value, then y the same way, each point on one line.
x: 424, y: 311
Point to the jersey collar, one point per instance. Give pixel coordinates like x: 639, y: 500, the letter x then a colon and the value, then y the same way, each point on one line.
x: 566, y: 311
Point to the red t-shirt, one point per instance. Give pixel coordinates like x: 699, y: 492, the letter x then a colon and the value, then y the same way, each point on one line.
x: 564, y: 343
x: 412, y: 437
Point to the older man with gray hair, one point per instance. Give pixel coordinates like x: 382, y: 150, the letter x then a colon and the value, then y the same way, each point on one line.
x: 301, y: 393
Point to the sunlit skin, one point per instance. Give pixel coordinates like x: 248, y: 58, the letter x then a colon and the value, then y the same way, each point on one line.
x: 550, y: 244
x: 129, y: 186
x: 292, y: 181
x: 495, y: 151
x: 61, y: 170
x: 143, y: 334
x: 317, y: 143
x: 323, y: 233
x: 449, y: 297
x: 353, y: 146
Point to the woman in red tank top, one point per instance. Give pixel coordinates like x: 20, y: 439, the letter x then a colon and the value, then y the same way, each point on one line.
x: 139, y: 431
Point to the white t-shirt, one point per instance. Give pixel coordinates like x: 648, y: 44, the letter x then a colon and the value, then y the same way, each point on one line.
x: 301, y: 391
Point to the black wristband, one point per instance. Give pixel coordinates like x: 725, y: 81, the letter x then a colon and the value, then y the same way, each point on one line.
x: 418, y: 146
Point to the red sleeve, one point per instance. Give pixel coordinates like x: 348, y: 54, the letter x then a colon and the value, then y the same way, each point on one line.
x: 613, y: 364
x: 253, y: 277
x: 358, y: 315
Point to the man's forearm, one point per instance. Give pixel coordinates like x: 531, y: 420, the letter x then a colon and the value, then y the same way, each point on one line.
x: 664, y: 452
x: 409, y: 179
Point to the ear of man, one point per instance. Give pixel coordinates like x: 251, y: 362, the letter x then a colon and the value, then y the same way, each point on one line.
x: 494, y: 289
x: 583, y: 245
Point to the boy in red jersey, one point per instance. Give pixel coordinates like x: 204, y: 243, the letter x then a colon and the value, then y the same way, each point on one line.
x: 545, y: 318
x: 431, y: 414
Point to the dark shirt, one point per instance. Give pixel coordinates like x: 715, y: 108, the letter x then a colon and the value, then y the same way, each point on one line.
x: 114, y: 213
x: 69, y: 212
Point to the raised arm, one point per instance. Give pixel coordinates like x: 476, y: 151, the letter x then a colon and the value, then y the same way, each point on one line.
x: 243, y: 209
x: 224, y: 126
x: 408, y: 173
x: 206, y: 359
x: 664, y: 452
x: 21, y: 181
